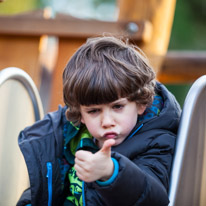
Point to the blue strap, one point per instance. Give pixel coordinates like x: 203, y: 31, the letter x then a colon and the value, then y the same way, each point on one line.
x: 113, y: 177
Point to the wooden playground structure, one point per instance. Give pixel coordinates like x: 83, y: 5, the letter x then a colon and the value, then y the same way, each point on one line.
x: 42, y: 44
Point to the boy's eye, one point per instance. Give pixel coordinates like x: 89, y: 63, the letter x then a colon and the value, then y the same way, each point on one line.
x: 118, y: 106
x: 93, y: 111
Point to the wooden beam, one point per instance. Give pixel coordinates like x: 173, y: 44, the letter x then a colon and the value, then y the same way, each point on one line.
x: 34, y: 24
x: 182, y: 66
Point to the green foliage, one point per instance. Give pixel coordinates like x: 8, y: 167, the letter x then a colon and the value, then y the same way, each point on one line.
x: 199, y: 8
x: 180, y: 91
x: 189, y: 29
x: 17, y: 6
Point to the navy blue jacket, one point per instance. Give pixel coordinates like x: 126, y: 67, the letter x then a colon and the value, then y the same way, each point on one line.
x: 144, y: 161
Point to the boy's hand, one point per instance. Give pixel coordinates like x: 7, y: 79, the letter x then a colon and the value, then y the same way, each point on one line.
x: 99, y: 166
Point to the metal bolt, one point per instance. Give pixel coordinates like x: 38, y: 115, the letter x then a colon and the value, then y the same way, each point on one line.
x: 132, y: 27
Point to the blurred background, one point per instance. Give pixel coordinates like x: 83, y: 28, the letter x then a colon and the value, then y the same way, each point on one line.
x: 188, y: 33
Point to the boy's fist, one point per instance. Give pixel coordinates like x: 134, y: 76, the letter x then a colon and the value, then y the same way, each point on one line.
x: 99, y: 166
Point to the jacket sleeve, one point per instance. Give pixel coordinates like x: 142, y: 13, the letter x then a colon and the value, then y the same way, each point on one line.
x: 25, y: 198
x: 143, y: 180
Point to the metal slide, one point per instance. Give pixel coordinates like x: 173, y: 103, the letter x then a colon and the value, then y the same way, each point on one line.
x: 188, y: 175
x: 20, y: 106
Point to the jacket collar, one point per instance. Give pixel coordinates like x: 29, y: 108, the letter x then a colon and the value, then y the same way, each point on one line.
x: 76, y: 138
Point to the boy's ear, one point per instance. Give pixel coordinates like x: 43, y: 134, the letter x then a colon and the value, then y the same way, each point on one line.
x: 141, y: 109
x: 82, y: 120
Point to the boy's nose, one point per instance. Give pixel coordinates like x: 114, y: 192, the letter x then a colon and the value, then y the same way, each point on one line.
x: 107, y: 120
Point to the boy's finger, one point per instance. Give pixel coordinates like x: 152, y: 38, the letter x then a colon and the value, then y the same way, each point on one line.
x: 107, y: 145
x: 82, y: 154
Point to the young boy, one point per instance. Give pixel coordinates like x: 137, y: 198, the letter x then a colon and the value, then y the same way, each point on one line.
x: 112, y: 144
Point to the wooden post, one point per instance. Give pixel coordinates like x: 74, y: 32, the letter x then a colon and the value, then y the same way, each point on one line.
x: 67, y: 48
x: 160, y: 13
x: 22, y: 52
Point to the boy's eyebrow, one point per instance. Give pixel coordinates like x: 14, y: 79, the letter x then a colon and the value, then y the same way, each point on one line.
x: 122, y: 100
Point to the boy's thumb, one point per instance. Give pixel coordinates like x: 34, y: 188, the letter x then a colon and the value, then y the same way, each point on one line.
x: 106, y: 148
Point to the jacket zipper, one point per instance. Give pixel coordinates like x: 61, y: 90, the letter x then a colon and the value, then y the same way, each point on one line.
x: 135, y: 131
x: 83, y: 195
x: 49, y: 176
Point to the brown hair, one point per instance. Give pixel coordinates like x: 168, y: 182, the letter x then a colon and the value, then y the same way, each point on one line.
x: 103, y: 70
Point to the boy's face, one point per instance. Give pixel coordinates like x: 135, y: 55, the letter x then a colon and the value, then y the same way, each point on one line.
x: 111, y: 121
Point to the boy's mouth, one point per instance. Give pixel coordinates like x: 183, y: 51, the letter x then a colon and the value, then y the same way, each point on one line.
x: 110, y: 135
